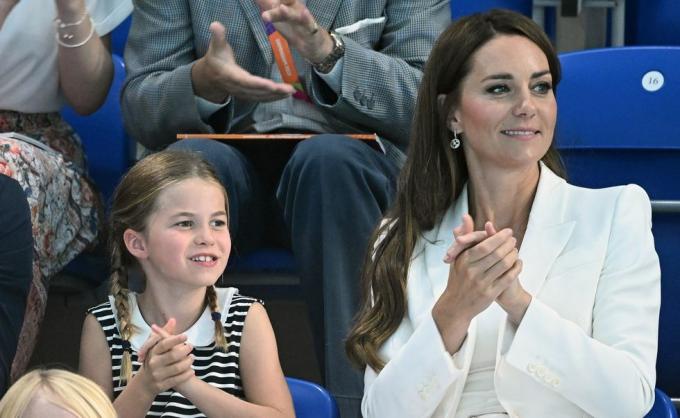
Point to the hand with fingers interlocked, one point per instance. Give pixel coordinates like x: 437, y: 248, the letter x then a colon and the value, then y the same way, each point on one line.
x: 483, y: 266
x: 166, y: 359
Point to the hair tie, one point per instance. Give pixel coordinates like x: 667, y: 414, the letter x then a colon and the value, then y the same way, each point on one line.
x: 216, y: 316
x: 126, y: 346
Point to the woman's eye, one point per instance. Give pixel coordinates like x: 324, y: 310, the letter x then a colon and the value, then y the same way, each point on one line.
x: 542, y: 88
x: 498, y: 89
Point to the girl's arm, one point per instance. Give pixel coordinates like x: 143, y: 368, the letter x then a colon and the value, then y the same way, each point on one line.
x: 95, y: 357
x: 167, y: 364
x: 86, y: 71
x: 264, y: 385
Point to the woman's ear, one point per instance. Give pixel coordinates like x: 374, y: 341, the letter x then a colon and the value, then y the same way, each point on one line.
x: 135, y: 243
x: 452, y: 122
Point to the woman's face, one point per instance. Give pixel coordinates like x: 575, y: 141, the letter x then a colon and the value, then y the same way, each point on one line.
x: 507, y: 107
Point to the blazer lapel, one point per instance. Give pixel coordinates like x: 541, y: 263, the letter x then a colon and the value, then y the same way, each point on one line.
x: 438, y: 241
x: 324, y: 11
x: 256, y: 24
x: 547, y: 231
x: 546, y: 235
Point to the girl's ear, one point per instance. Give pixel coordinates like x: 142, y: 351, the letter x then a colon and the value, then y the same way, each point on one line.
x: 135, y: 243
x: 452, y: 120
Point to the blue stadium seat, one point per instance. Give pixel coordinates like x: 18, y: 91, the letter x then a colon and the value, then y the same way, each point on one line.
x: 119, y: 36
x: 663, y: 407
x: 311, y: 400
x: 107, y: 146
x: 652, y: 22
x: 109, y: 154
x: 617, y: 123
x: 460, y: 8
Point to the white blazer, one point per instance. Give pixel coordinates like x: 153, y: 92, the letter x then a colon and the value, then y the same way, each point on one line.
x: 587, y: 343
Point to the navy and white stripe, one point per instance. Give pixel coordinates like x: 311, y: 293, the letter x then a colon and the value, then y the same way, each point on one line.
x: 219, y: 369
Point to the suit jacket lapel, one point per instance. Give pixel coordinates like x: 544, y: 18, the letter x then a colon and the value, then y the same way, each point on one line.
x: 438, y: 241
x: 252, y: 12
x: 324, y: 11
x: 547, y: 231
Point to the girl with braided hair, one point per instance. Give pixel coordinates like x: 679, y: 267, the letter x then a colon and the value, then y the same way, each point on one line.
x: 216, y: 353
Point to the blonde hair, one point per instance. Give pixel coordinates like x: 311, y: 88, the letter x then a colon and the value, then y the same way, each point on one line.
x: 134, y: 201
x: 74, y: 393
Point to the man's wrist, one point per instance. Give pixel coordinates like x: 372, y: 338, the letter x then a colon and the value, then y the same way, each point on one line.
x: 319, y: 46
x: 326, y: 63
x: 200, y: 81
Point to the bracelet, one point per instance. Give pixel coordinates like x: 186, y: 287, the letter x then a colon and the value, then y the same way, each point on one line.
x: 71, y: 36
x: 61, y: 24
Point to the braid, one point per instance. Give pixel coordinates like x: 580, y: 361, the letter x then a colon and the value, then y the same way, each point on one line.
x: 120, y: 291
x: 220, y: 339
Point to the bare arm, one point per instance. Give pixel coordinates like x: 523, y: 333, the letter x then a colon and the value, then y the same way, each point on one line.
x: 85, y: 71
x: 95, y: 358
x: 267, y: 394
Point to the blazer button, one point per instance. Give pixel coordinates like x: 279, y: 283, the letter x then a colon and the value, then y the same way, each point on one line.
x: 357, y: 94
x: 531, y: 368
x: 540, y: 372
x: 370, y: 103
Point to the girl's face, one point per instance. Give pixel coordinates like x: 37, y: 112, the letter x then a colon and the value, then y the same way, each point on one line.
x: 507, y: 108
x: 187, y: 239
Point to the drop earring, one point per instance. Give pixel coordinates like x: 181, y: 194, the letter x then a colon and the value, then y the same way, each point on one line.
x: 455, y: 142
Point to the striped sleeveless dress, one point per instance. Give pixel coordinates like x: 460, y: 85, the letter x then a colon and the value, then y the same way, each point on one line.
x: 215, y: 367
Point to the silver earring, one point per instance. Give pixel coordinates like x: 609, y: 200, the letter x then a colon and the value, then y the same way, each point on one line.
x: 455, y: 142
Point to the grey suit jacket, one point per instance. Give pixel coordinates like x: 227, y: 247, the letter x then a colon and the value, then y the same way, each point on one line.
x: 382, y: 65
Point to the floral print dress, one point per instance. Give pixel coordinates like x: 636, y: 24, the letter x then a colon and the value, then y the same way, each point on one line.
x: 65, y: 207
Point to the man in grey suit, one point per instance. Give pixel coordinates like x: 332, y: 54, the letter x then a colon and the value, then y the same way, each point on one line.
x: 208, y: 66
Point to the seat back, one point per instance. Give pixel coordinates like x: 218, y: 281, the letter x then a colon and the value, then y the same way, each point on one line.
x: 652, y: 22
x: 663, y: 407
x: 460, y: 8
x: 617, y: 124
x: 106, y: 144
x: 119, y: 36
x: 311, y: 400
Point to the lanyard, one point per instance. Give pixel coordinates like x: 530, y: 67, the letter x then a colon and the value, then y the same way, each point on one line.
x: 285, y: 62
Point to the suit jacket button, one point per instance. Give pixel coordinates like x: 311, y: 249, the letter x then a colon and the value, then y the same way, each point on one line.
x: 357, y: 94
x: 370, y: 103
x: 531, y: 368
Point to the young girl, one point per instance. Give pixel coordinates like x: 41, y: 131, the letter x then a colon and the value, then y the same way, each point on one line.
x: 216, y: 353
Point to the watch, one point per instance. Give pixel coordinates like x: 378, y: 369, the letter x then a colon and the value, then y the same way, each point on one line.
x: 327, y: 64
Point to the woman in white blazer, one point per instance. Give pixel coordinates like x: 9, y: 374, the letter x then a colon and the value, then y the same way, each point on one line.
x: 495, y: 288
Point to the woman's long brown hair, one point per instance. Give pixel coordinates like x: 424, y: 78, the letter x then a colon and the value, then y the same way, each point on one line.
x: 432, y: 177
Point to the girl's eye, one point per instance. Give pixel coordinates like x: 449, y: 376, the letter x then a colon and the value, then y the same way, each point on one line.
x: 185, y: 224
x: 543, y: 87
x: 498, y: 89
x: 219, y: 223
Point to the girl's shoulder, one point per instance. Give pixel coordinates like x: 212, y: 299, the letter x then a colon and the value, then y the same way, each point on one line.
x: 233, y: 302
